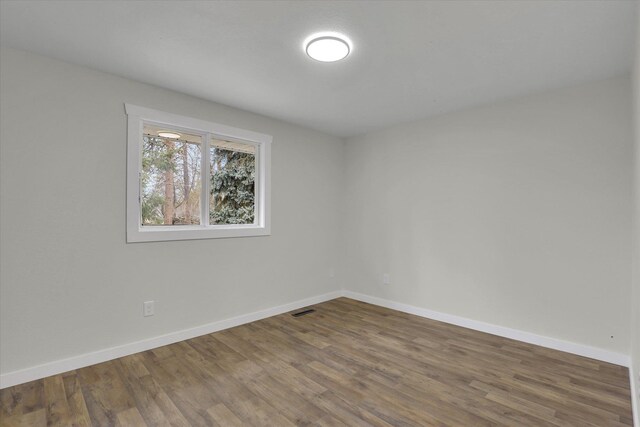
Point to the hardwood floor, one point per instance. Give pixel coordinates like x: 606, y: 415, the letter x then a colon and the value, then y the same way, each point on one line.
x: 349, y: 363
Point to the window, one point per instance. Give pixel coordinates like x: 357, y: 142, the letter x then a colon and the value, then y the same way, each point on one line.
x: 192, y: 179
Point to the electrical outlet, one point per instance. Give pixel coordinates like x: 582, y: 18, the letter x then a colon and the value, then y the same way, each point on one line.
x: 148, y: 308
x: 386, y: 279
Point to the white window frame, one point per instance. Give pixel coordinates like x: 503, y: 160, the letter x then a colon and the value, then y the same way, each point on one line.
x: 136, y: 232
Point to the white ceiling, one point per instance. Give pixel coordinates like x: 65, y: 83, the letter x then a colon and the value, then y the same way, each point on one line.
x: 409, y: 60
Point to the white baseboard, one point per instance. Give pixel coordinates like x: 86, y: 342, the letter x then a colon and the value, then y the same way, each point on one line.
x: 56, y: 367
x: 528, y: 337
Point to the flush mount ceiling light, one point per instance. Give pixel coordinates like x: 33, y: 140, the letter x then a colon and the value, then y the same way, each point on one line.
x: 327, y: 47
x: 170, y: 135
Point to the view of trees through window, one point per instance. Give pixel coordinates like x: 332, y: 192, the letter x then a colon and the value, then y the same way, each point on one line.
x: 171, y: 180
x: 233, y: 169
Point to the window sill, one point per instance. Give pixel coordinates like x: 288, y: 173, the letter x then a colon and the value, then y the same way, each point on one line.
x: 188, y: 232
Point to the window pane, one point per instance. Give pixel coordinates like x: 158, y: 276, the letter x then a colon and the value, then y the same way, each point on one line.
x: 233, y: 170
x: 170, y: 182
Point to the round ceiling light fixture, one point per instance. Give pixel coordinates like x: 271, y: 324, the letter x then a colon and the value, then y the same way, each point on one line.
x: 170, y: 135
x: 327, y: 47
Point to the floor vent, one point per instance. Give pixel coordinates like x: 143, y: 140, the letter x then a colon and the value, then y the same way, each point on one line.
x: 303, y: 313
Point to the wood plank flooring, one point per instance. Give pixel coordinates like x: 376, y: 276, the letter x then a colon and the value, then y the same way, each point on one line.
x: 347, y: 364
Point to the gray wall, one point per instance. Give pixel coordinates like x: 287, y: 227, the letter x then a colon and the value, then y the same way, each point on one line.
x: 69, y: 282
x: 516, y: 214
x: 635, y: 301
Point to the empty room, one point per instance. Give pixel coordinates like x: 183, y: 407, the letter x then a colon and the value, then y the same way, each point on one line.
x: 320, y: 213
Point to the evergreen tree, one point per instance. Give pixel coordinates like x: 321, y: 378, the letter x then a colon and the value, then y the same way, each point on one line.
x: 232, y: 187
